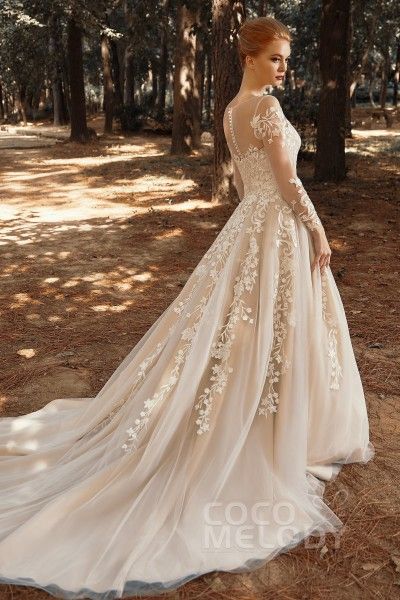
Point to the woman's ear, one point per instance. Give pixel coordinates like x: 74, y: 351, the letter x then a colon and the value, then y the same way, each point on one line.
x: 249, y: 61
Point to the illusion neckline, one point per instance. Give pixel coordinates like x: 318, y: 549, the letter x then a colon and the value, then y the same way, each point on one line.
x: 250, y: 98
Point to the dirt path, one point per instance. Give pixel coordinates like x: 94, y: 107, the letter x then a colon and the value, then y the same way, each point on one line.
x: 97, y: 240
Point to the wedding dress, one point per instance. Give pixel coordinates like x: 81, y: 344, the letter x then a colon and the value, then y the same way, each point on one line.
x: 209, y: 447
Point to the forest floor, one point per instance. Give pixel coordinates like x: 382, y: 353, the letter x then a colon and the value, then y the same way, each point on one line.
x: 97, y: 240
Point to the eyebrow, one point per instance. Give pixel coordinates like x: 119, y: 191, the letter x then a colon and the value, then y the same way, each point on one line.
x: 281, y: 55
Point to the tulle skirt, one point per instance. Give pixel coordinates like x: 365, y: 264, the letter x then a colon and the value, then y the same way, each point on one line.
x: 209, y: 447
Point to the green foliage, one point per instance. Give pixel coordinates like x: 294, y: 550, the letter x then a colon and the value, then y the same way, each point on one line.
x: 134, y: 26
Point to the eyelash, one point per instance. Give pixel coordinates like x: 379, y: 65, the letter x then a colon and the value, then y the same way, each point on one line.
x: 274, y: 59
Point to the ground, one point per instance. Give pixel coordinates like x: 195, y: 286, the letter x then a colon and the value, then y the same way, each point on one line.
x: 98, y: 239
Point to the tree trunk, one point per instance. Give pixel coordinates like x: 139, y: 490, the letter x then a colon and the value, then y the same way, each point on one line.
x: 200, y: 71
x: 227, y: 73
x: 350, y: 88
x: 360, y: 62
x: 353, y: 94
x: 21, y: 104
x: 107, y: 84
x: 385, y: 77
x: 163, y: 67
x: 396, y: 76
x: 6, y: 105
x: 371, y: 91
x: 201, y: 40
x: 1, y: 102
x: 116, y: 75
x: 208, y: 88
x: 129, y: 81
x: 79, y: 129
x: 154, y: 83
x: 55, y: 51
x: 185, y: 128
x: 202, y: 51
x: 333, y: 59
x: 66, y: 87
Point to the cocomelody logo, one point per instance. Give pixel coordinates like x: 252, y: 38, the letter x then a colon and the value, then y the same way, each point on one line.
x: 262, y: 526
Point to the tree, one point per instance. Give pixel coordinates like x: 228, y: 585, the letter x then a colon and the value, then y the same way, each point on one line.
x: 60, y: 116
x: 396, y: 74
x: 79, y: 129
x: 227, y: 71
x: 107, y: 84
x: 334, y: 51
x: 185, y: 134
x: 163, y: 62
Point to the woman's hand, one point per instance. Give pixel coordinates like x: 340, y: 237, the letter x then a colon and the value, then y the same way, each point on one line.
x: 322, y: 249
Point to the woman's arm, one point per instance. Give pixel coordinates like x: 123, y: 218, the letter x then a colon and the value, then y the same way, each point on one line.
x: 270, y: 125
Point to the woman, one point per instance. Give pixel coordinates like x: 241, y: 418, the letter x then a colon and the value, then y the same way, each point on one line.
x: 209, y: 446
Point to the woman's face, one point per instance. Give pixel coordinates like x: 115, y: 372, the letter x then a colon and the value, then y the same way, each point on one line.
x: 269, y: 66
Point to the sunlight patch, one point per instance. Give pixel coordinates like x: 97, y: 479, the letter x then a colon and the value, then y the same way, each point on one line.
x: 26, y: 352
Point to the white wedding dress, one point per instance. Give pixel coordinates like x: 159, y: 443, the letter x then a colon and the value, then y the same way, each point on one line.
x: 209, y: 447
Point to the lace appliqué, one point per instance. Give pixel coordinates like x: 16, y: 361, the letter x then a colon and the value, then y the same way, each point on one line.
x: 244, y: 282
x: 272, y: 123
x: 336, y: 369
x: 221, y: 349
x: 308, y: 215
x: 140, y: 375
x: 283, y: 316
x: 252, y: 152
x: 211, y: 264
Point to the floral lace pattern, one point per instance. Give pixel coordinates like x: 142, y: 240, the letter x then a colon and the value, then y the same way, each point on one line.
x: 283, y: 315
x: 212, y: 263
x: 261, y: 195
x: 140, y: 375
x: 336, y: 369
x: 221, y: 348
x: 271, y: 124
x: 308, y: 215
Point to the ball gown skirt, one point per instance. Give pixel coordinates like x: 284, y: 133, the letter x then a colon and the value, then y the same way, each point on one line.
x: 209, y: 447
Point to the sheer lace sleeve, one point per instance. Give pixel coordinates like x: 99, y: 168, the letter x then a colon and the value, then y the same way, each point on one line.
x: 269, y: 124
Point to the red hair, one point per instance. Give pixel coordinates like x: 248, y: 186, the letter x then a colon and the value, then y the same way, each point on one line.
x: 255, y: 34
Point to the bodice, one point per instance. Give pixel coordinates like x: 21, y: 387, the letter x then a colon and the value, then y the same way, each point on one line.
x: 254, y: 165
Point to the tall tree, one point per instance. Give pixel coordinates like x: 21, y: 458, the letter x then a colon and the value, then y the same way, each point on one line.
x: 107, y: 84
x: 396, y: 74
x: 227, y: 72
x: 334, y: 51
x: 79, y: 129
x: 129, y: 81
x: 185, y: 133
x: 163, y: 63
x: 1, y: 102
x: 60, y: 116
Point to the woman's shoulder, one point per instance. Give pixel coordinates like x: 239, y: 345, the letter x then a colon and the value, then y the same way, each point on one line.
x: 268, y: 101
x: 255, y: 99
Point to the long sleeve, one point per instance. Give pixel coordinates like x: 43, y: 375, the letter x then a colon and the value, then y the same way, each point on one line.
x: 270, y: 124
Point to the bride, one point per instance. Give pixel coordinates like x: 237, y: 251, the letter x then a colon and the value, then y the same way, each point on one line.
x: 209, y: 447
